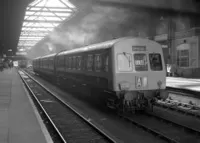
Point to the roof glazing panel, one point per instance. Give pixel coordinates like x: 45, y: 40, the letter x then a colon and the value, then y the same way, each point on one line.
x: 41, y: 17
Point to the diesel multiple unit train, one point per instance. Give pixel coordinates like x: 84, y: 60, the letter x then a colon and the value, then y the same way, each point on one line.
x: 126, y: 73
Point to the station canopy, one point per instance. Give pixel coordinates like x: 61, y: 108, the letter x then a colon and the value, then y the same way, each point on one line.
x: 41, y: 17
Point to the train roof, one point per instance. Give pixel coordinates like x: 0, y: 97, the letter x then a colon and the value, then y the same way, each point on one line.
x: 103, y: 45
x: 47, y: 56
x: 51, y: 55
x: 37, y: 58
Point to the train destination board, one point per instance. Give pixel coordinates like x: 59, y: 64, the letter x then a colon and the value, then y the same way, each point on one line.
x: 139, y: 48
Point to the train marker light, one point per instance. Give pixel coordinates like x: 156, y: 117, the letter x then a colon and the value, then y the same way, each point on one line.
x: 138, y: 82
x: 144, y: 80
x: 124, y: 85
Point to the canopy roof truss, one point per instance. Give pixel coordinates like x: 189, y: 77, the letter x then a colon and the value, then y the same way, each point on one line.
x: 41, y: 17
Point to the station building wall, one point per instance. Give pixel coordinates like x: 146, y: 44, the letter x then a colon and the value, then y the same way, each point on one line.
x: 185, y: 53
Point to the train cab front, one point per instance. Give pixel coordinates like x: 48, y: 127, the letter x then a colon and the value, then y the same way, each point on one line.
x: 140, y: 74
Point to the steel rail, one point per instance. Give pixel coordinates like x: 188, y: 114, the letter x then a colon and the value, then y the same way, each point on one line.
x: 38, y: 102
x: 88, y: 121
x: 157, y: 133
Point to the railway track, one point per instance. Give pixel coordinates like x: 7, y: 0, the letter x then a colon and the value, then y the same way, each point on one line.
x: 183, y: 91
x: 162, y: 128
x: 70, y: 126
x: 189, y: 108
x: 182, y: 108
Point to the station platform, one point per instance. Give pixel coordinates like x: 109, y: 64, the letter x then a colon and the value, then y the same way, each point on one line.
x: 183, y: 83
x: 19, y: 121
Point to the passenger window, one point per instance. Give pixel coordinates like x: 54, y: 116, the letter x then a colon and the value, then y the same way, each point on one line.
x: 98, y: 62
x: 79, y: 62
x: 124, y: 62
x: 105, y: 63
x: 60, y: 62
x: 155, y: 62
x: 76, y: 66
x: 90, y: 62
x: 70, y: 62
x: 74, y: 62
x: 63, y: 62
x: 140, y: 61
x: 66, y: 62
x: 83, y: 59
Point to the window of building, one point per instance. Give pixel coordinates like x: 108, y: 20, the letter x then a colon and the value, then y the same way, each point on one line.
x: 98, y: 62
x: 140, y: 62
x: 155, y: 62
x: 124, y: 62
x: 90, y: 62
x: 183, y: 58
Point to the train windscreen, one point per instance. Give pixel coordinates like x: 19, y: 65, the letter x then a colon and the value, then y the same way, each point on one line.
x: 140, y: 61
x: 124, y: 62
x: 155, y: 62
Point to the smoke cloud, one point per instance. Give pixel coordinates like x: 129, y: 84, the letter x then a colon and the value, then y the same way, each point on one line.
x: 96, y: 24
x: 103, y: 23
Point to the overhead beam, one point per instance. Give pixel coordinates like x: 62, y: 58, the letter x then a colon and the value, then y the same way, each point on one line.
x: 53, y: 16
x: 64, y: 8
x: 45, y: 21
x: 49, y: 11
x: 35, y: 32
x: 29, y: 40
x: 38, y: 26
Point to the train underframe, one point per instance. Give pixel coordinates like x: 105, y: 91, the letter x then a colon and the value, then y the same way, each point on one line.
x: 133, y: 101
x: 122, y: 101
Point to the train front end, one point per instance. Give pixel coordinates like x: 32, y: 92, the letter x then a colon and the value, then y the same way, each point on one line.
x: 139, y: 73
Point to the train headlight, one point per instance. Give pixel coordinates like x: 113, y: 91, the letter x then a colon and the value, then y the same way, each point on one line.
x: 124, y: 86
x: 161, y: 85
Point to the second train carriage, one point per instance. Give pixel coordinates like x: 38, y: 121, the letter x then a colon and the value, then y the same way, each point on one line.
x: 131, y: 71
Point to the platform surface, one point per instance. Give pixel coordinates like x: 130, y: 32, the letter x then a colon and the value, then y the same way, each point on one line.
x: 18, y: 121
x: 184, y: 83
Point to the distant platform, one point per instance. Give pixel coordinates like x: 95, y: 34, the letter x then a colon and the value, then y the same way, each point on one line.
x: 183, y: 83
x: 19, y: 119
